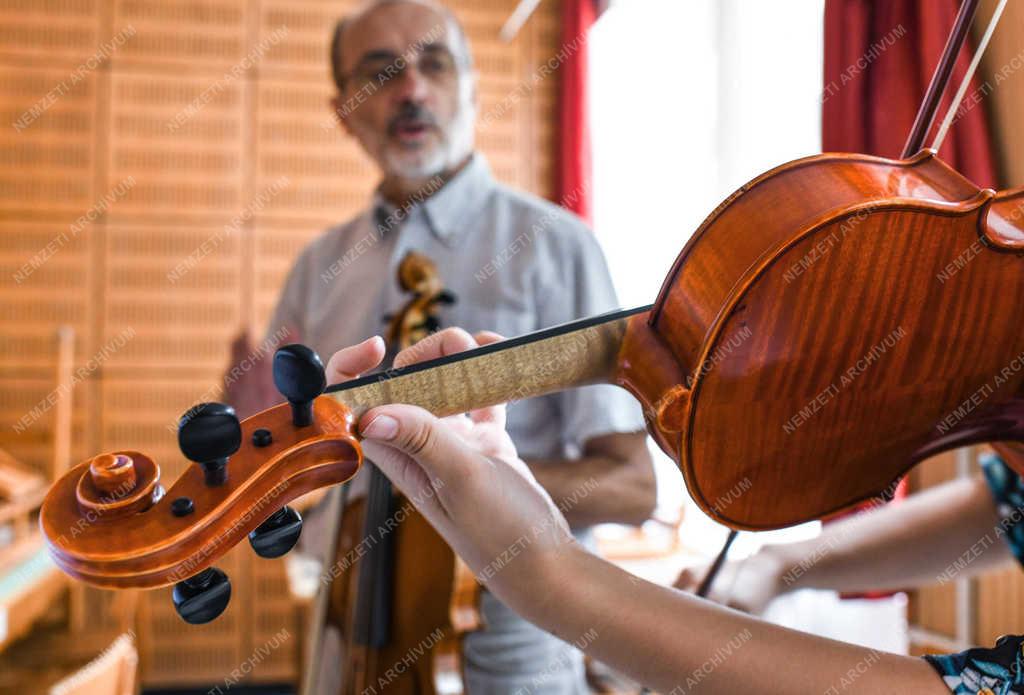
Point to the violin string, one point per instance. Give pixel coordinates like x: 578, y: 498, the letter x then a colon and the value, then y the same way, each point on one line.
x: 954, y: 107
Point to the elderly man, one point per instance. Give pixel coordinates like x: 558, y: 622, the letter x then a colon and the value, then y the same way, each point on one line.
x: 407, y: 92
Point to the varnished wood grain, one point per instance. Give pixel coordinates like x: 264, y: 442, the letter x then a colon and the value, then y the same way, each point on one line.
x: 800, y: 278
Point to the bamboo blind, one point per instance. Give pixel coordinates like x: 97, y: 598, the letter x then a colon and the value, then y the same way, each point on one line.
x: 140, y: 138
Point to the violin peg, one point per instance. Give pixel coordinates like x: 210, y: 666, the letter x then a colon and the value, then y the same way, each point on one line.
x: 202, y: 598
x: 278, y: 534
x: 209, y: 434
x: 299, y: 376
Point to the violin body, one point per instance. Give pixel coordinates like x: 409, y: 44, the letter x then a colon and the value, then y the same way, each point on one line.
x: 835, y: 321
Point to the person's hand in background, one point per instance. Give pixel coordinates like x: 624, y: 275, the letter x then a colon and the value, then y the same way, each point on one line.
x: 747, y: 585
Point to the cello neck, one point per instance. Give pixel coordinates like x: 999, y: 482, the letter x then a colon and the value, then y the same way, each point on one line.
x: 573, y: 354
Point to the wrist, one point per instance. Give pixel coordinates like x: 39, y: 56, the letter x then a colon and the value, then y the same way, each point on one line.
x: 779, y: 568
x: 545, y: 585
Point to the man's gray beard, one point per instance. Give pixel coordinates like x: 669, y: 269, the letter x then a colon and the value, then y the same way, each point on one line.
x: 444, y: 157
x: 416, y: 166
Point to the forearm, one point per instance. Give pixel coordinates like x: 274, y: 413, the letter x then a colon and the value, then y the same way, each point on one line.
x: 930, y: 537
x: 597, y: 489
x: 672, y: 642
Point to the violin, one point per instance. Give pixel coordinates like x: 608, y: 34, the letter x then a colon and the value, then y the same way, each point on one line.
x: 397, y: 583
x: 418, y: 276
x: 832, y: 323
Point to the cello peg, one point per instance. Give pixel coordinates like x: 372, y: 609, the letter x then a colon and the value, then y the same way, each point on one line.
x: 208, y: 434
x: 278, y: 534
x: 202, y: 598
x: 299, y: 376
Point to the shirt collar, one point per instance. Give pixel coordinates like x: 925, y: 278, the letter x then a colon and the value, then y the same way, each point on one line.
x: 450, y: 209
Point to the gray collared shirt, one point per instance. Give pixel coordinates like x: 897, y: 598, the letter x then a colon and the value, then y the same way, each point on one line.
x: 515, y: 263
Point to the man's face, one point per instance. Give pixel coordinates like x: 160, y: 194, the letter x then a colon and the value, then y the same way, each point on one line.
x: 408, y: 96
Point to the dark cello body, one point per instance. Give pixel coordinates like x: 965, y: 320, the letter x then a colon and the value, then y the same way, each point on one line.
x: 833, y: 322
x: 433, y: 602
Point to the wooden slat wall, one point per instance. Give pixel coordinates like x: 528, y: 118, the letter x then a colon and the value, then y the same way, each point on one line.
x: 934, y: 608
x: 152, y: 138
x: 989, y: 606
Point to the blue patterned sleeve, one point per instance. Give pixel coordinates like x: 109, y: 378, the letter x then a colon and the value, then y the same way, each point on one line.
x: 995, y: 670
x: 983, y: 671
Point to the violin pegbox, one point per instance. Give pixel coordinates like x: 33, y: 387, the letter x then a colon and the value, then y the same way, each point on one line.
x: 109, y: 522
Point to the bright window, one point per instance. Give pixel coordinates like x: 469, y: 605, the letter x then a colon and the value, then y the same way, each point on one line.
x: 690, y: 100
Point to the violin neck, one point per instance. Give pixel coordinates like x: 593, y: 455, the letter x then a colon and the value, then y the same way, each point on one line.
x: 574, y: 354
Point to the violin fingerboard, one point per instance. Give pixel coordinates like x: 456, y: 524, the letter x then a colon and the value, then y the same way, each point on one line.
x: 522, y: 369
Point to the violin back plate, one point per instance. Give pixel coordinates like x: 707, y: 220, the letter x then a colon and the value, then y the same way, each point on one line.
x: 874, y: 332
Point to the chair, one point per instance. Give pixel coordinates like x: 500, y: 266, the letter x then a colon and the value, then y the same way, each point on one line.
x: 111, y: 673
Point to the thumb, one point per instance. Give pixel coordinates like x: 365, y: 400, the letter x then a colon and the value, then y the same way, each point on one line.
x: 687, y: 580
x: 413, y: 448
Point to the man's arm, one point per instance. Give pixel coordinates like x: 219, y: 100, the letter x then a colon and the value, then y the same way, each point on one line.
x: 934, y: 536
x: 613, y: 481
x: 613, y: 478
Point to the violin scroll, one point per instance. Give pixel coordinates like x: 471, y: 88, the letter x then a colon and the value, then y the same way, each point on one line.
x: 112, y: 472
x: 418, y: 276
x: 175, y: 536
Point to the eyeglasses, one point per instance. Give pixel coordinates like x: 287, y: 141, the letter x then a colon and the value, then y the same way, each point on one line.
x: 379, y: 69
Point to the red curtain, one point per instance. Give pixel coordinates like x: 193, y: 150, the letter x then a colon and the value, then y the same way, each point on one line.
x: 575, y: 164
x: 879, y: 58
